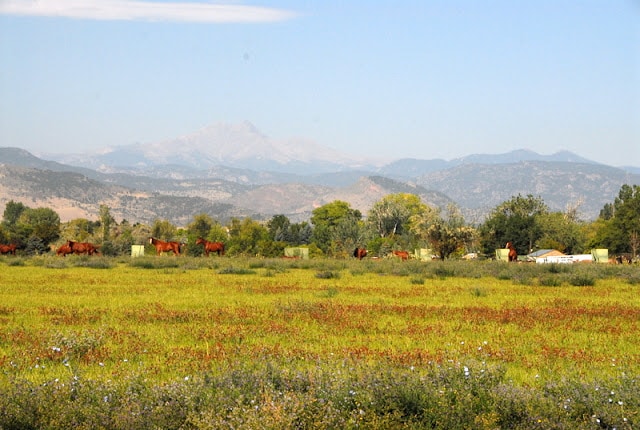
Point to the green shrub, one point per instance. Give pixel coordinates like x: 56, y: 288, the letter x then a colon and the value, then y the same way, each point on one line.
x: 443, y: 272
x: 478, y: 292
x: 558, y: 268
x: 94, y: 262
x: 633, y: 279
x: 55, y: 263
x: 257, y: 264
x: 504, y: 276
x: 582, y: 280
x: 327, y: 274
x: 154, y: 262
x: 330, y: 292
x: 550, y: 281
x: 231, y: 270
x: 15, y: 262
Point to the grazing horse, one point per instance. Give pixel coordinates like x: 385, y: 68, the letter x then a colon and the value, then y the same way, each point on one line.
x: 82, y: 247
x: 162, y: 246
x: 211, y: 246
x: 64, y: 250
x: 359, y: 253
x: 404, y: 255
x: 8, y: 249
x: 513, y: 254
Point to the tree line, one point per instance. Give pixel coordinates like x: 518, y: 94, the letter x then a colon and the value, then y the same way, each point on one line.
x: 396, y: 222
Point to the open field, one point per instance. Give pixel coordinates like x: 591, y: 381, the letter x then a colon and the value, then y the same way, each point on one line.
x: 228, y: 343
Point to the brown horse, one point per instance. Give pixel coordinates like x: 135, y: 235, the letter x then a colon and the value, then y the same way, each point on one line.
x: 359, y: 253
x: 623, y: 258
x: 513, y: 254
x: 217, y: 247
x: 162, y: 246
x: 82, y: 247
x: 64, y: 250
x: 404, y: 255
x: 8, y: 249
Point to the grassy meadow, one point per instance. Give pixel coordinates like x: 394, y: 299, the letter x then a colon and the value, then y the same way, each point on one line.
x: 166, y: 342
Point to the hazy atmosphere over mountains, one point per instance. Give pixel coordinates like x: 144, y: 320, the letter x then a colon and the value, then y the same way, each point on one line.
x: 233, y: 170
x: 235, y: 145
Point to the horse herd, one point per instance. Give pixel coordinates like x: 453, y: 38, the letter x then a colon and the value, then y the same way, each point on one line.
x: 78, y: 248
x: 360, y: 253
x: 175, y: 247
x: 87, y: 248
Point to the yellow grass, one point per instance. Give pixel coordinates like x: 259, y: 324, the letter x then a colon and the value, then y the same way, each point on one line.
x: 176, y: 322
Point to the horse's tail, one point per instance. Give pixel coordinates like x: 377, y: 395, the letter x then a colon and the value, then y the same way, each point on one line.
x: 355, y: 252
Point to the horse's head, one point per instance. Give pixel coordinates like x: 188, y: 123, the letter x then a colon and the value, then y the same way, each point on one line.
x: 151, y: 240
x: 509, y: 245
x: 200, y: 241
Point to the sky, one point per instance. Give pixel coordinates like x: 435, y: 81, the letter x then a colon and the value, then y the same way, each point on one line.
x: 392, y: 79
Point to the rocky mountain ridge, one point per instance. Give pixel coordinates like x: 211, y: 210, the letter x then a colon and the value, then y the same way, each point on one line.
x: 141, y: 188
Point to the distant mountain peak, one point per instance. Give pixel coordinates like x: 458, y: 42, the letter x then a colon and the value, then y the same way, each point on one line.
x: 239, y: 145
x: 518, y: 155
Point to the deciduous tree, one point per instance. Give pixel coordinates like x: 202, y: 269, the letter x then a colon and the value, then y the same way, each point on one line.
x: 517, y: 221
x: 449, y: 234
x: 247, y: 237
x: 163, y: 230
x: 562, y: 232
x: 41, y: 223
x: 326, y: 218
x: 12, y: 212
x: 392, y: 214
x: 200, y: 226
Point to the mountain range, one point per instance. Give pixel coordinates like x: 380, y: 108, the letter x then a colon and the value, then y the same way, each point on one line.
x: 233, y: 170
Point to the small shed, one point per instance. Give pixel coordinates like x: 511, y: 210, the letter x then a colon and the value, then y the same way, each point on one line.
x: 544, y: 253
x: 302, y: 253
x: 549, y: 256
x: 557, y: 259
x: 137, y: 250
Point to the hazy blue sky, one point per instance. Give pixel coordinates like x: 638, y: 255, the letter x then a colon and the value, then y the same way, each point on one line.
x: 421, y: 79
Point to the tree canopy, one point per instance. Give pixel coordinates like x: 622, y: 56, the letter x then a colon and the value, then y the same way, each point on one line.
x: 396, y: 222
x: 518, y: 221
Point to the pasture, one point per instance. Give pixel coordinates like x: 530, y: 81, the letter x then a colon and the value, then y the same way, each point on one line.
x: 178, y: 342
